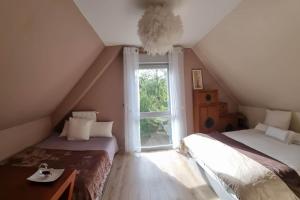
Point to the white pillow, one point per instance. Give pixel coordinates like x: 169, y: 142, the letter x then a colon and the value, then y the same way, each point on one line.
x: 261, y: 127
x: 91, y: 115
x: 65, y: 129
x: 79, y: 129
x: 101, y: 129
x: 295, y: 139
x: 278, y: 119
x: 279, y: 134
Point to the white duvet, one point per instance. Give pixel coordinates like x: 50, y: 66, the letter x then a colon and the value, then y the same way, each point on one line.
x: 286, y: 153
x: 247, y: 178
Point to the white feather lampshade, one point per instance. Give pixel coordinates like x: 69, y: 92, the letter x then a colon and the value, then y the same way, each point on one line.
x: 159, y: 29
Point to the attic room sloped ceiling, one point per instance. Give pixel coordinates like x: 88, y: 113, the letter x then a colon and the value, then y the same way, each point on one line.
x: 46, y: 46
x: 255, y: 52
x: 116, y: 21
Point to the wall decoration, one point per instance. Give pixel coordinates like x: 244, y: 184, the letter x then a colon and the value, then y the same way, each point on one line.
x: 197, y: 79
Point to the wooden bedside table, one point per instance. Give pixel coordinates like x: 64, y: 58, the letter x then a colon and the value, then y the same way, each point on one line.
x: 13, y: 185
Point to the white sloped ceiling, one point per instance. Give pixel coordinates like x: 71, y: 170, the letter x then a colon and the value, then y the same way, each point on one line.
x: 116, y: 20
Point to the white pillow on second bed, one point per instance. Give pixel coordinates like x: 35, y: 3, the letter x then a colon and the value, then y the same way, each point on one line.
x: 97, y: 129
x: 101, y: 129
x: 261, y: 127
x: 65, y: 129
x: 295, y: 139
x: 91, y: 115
x: 278, y: 119
x: 279, y: 134
x: 79, y: 129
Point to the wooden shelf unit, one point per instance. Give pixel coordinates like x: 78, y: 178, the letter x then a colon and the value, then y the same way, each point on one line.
x: 211, y: 115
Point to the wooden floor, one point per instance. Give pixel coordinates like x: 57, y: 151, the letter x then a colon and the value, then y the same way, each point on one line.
x: 164, y: 175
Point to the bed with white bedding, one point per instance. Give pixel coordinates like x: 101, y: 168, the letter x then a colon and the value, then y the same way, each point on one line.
x: 235, y: 175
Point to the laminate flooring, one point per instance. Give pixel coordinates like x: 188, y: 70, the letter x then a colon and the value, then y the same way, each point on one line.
x: 160, y: 175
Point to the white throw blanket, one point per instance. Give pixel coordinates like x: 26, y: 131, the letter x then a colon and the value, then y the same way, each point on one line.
x: 247, y: 178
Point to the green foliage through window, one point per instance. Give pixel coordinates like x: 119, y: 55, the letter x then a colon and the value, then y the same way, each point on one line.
x: 154, y: 90
x: 154, y: 97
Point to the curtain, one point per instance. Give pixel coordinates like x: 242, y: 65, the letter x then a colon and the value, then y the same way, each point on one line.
x: 177, y: 96
x: 131, y: 100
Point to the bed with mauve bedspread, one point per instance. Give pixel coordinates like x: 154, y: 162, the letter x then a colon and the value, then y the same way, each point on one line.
x: 92, y: 160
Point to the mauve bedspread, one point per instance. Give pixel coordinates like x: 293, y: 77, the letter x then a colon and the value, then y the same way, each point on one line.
x: 95, y: 143
x: 92, y: 167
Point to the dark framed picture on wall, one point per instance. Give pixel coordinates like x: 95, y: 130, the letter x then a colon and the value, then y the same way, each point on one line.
x: 197, y: 79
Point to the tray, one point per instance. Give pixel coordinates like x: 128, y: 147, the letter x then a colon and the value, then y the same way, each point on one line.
x: 38, y: 177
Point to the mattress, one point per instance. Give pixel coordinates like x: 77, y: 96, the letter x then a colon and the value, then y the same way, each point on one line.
x: 95, y: 143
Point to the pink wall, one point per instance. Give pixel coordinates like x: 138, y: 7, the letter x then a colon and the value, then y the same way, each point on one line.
x: 86, y: 82
x: 254, y: 51
x: 106, y: 96
x: 191, y: 61
x: 17, y: 138
x: 46, y: 46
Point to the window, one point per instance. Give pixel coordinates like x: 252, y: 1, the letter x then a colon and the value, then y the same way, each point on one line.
x: 155, y: 124
x: 154, y: 100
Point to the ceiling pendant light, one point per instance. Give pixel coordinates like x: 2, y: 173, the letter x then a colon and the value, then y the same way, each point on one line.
x: 159, y: 28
